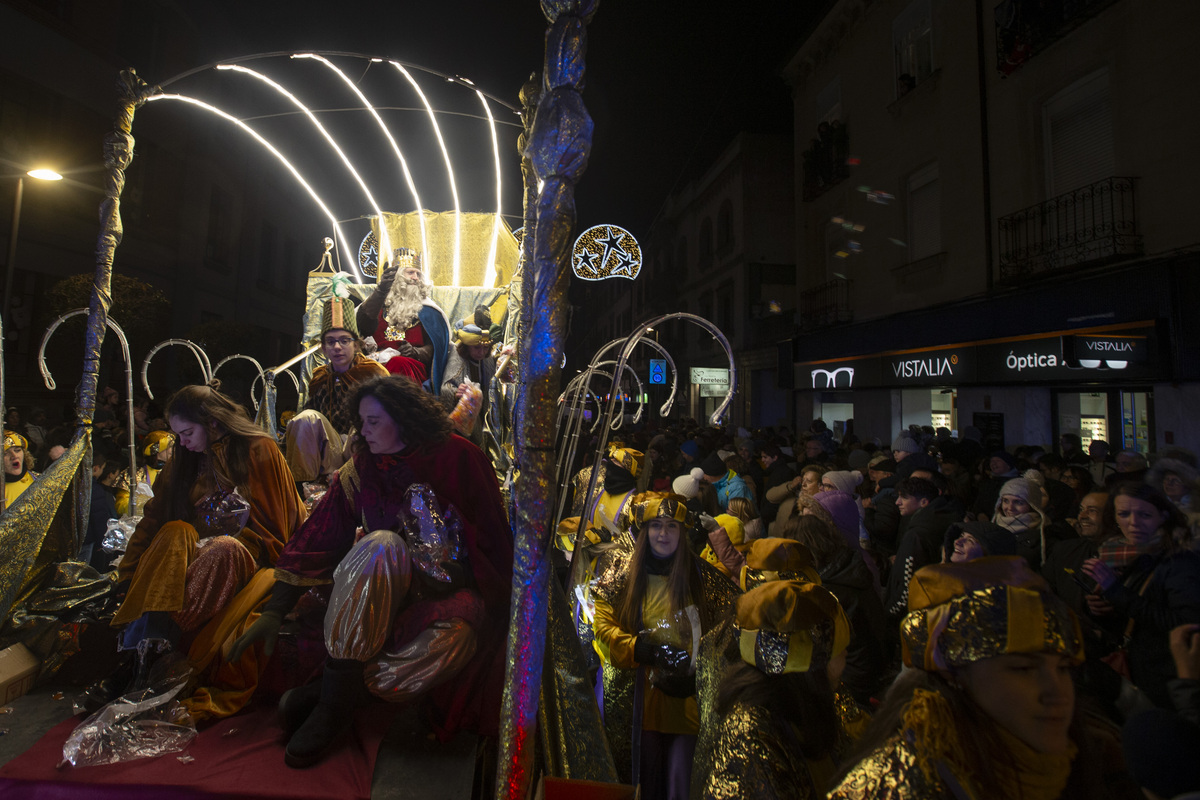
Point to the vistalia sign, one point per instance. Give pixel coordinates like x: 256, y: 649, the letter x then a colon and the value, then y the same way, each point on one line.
x: 1088, y: 357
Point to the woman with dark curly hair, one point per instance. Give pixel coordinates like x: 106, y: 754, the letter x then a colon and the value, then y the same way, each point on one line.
x: 224, y: 507
x: 407, y: 612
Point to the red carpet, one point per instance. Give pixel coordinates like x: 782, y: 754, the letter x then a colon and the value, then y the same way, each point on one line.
x: 245, y: 764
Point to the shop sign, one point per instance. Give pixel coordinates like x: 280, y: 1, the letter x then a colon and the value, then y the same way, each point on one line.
x: 714, y: 389
x: 1052, y: 357
x: 949, y: 366
x: 710, y: 375
x: 847, y: 373
x: 1107, y: 348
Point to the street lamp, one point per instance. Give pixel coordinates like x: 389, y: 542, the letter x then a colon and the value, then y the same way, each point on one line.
x: 10, y: 265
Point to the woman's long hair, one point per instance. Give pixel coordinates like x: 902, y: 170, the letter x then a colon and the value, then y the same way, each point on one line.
x: 420, y: 416
x: 823, y: 539
x: 679, y: 581
x: 979, y: 746
x: 204, y: 405
x: 803, y: 698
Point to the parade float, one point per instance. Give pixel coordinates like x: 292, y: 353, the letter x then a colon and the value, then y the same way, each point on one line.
x: 550, y: 725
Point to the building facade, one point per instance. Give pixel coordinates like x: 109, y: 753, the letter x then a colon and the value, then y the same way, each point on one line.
x: 207, y: 221
x: 722, y: 249
x: 992, y: 219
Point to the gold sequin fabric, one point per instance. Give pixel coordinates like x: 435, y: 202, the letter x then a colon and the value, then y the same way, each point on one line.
x: 712, y: 663
x: 889, y: 773
x: 755, y: 756
x: 580, y: 483
x: 569, y: 724
x: 980, y: 624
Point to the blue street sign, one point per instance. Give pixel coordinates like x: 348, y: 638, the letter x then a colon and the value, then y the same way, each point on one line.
x: 658, y: 370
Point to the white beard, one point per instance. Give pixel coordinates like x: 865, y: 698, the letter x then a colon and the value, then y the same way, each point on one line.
x: 403, y: 303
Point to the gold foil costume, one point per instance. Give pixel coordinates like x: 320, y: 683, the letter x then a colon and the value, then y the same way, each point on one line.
x: 715, y: 596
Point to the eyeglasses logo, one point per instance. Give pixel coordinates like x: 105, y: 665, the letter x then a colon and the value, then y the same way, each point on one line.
x: 831, y: 380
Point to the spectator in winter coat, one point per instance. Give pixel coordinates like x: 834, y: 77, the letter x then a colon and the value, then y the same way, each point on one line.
x: 927, y: 514
x: 1019, y: 510
x: 1002, y: 466
x: 967, y: 541
x: 1148, y: 583
x: 725, y: 481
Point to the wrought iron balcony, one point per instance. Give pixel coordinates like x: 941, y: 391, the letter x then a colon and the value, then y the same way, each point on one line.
x: 825, y: 305
x: 1089, y: 226
x: 1026, y: 27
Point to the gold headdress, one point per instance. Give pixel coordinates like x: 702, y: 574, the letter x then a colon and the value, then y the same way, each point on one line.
x: 790, y: 626
x: 962, y: 613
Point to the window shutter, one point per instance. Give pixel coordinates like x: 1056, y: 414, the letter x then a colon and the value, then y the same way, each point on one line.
x: 1080, y: 135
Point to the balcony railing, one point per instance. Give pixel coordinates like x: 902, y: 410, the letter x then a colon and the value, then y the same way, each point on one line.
x: 1026, y: 27
x: 1088, y: 226
x: 826, y: 304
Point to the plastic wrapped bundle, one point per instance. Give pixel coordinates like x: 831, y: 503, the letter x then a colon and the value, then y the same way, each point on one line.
x: 116, y: 535
x: 144, y: 724
x: 467, y: 409
x: 434, y: 538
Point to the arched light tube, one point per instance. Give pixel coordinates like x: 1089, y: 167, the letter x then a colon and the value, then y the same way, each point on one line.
x: 456, y: 270
x: 489, y: 273
x: 408, y: 178
x: 351, y: 258
x: 321, y: 128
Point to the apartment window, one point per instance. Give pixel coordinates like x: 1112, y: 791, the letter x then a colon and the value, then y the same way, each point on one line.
x: 705, y: 244
x: 924, y: 213
x: 725, y: 226
x: 1079, y: 136
x: 829, y: 102
x: 726, y: 320
x: 912, y: 43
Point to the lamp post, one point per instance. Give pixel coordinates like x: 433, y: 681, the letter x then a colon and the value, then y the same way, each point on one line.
x: 10, y: 264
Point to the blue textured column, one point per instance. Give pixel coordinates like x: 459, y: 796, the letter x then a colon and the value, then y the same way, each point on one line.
x: 559, y: 144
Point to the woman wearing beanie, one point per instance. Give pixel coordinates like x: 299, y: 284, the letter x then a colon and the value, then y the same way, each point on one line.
x: 843, y: 512
x: 779, y: 729
x: 1148, y: 582
x: 652, y: 605
x: 848, y: 481
x: 987, y: 709
x: 1019, y: 511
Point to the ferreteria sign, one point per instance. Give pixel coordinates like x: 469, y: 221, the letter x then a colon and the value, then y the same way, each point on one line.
x: 1088, y: 356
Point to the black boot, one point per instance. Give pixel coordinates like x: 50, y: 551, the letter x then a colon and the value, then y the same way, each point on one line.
x: 102, y: 692
x: 342, y: 691
x: 296, y: 704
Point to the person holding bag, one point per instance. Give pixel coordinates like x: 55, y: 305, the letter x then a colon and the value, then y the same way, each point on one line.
x: 1147, y: 583
x: 225, y: 506
x: 652, y: 607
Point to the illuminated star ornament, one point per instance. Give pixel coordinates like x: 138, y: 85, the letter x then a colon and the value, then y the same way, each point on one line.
x: 606, y: 251
x: 368, y: 255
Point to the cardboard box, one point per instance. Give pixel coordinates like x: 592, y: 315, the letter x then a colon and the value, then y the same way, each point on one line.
x: 19, y: 668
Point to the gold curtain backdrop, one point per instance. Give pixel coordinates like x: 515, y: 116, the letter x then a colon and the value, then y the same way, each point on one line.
x: 404, y: 230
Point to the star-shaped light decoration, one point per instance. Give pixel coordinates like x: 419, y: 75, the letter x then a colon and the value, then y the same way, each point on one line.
x: 606, y: 251
x: 368, y: 255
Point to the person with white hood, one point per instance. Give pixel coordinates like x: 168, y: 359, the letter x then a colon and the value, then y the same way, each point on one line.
x: 1019, y: 510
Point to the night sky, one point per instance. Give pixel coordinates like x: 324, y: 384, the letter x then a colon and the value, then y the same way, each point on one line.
x: 667, y: 85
